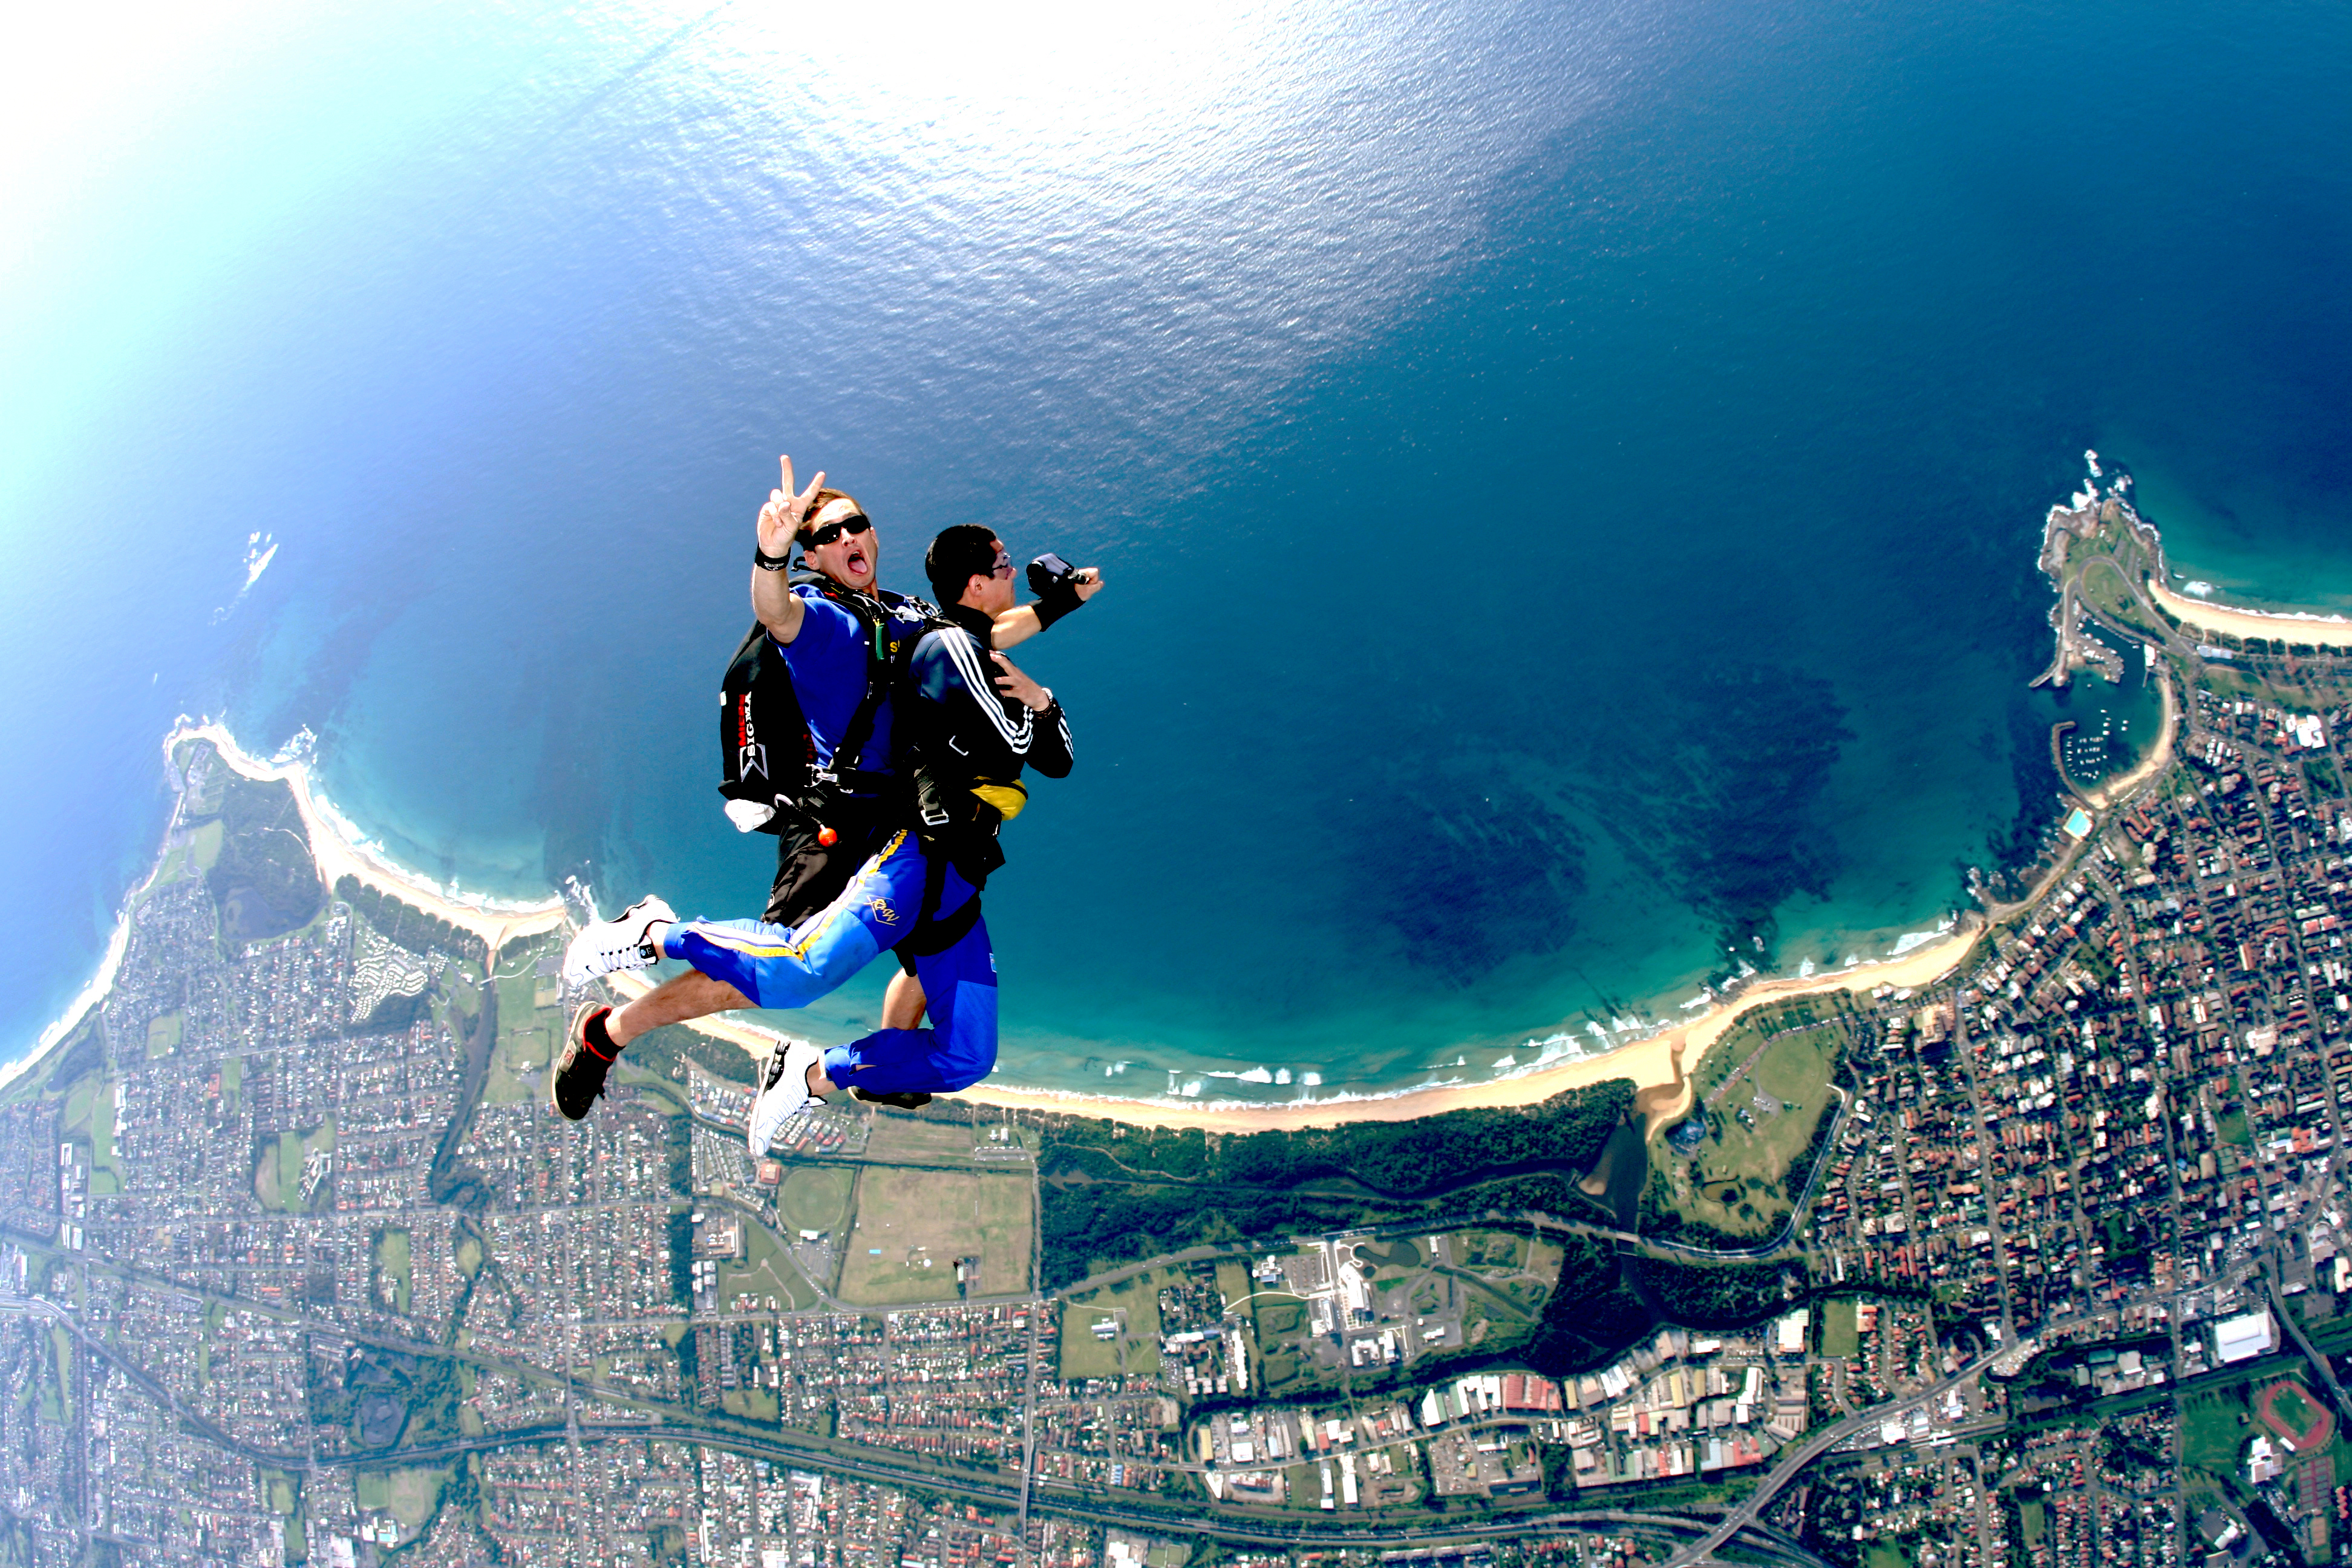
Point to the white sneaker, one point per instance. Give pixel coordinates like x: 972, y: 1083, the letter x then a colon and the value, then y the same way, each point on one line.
x: 783, y: 1092
x: 607, y: 947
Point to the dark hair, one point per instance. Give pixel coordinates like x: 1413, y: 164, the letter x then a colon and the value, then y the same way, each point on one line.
x: 959, y: 553
x: 817, y: 503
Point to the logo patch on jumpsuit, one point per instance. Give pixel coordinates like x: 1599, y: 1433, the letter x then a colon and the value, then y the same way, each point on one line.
x: 883, y: 912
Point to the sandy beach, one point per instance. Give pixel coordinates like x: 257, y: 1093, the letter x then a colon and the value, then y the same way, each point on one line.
x: 1649, y: 1062
x: 2328, y: 631
x: 2158, y: 758
x: 1652, y: 1063
x: 336, y: 856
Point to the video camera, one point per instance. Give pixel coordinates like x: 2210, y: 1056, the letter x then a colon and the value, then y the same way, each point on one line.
x: 1050, y: 572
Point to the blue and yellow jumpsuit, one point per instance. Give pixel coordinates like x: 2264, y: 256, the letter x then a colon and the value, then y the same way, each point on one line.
x: 975, y: 742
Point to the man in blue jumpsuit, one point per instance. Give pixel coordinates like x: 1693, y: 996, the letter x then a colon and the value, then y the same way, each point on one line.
x: 959, y: 687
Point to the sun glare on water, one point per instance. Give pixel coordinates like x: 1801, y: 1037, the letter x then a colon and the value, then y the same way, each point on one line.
x: 1185, y: 206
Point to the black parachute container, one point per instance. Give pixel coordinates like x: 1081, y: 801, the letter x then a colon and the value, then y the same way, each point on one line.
x: 767, y: 758
x: 765, y: 752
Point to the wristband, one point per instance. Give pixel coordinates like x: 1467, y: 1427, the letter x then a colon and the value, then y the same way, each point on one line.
x: 1055, y: 599
x: 767, y: 563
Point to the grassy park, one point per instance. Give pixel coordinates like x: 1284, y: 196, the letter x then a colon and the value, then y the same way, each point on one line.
x: 766, y: 1271
x: 1134, y: 1306
x: 529, y: 1035
x: 816, y: 1197
x: 278, y: 1168
x: 913, y: 1225
x: 1764, y: 1087
x: 392, y: 1269
x: 1840, y: 1335
x: 164, y: 1034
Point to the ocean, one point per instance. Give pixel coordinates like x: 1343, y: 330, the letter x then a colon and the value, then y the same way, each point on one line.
x: 1569, y: 475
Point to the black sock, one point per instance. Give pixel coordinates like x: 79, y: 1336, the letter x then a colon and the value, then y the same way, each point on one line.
x: 598, y: 1040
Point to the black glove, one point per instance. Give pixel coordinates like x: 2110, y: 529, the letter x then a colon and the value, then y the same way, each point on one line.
x: 1055, y: 583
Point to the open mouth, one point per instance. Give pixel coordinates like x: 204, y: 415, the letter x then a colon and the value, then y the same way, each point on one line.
x: 855, y: 561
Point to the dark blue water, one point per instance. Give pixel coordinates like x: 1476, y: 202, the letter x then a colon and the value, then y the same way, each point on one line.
x: 1569, y: 476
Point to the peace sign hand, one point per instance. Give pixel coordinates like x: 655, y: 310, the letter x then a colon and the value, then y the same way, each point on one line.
x: 780, y: 519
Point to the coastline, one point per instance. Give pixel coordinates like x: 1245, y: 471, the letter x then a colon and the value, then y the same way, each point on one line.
x: 335, y: 852
x: 1652, y: 1062
x: 2296, y: 626
x: 338, y: 854
x: 2100, y: 795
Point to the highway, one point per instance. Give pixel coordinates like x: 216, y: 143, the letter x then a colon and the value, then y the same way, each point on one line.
x: 1794, y: 1459
x: 1048, y: 1495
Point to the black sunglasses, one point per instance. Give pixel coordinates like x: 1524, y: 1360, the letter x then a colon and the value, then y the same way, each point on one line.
x: 855, y: 523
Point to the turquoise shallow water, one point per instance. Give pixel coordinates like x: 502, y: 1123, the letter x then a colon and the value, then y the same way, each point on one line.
x: 1569, y: 475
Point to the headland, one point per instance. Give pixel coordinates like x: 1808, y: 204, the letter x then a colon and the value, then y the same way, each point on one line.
x: 340, y: 855
x: 336, y: 852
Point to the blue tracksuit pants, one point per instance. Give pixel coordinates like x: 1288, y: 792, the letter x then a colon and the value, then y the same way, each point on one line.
x: 791, y: 966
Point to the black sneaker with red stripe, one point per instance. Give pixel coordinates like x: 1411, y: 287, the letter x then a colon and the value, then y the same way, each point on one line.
x: 578, y: 1076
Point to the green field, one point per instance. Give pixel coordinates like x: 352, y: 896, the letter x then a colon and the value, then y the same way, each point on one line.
x: 1734, y: 1180
x: 278, y: 1174
x: 204, y: 843
x: 1278, y: 1317
x: 1135, y: 1306
x: 105, y: 1174
x: 910, y: 1141
x: 767, y: 1271
x: 1840, y: 1337
x: 2103, y: 583
x: 392, y: 1269
x: 90, y: 1110
x: 1281, y: 1325
x: 2213, y: 1430
x: 816, y: 1197
x: 164, y: 1034
x: 668, y: 1095
x: 752, y: 1404
x: 912, y: 1225
x: 1234, y: 1280
x: 2295, y: 1407
x: 529, y: 1035
x: 412, y: 1495
x: 1887, y: 1555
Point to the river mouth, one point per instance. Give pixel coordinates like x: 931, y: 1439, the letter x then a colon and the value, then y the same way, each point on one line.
x: 1616, y: 1178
